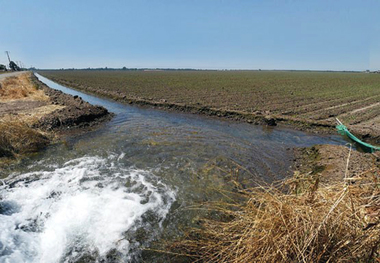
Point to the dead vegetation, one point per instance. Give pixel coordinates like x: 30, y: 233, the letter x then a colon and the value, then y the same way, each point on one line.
x: 17, y: 137
x: 31, y: 114
x: 18, y: 95
x: 300, y: 221
x: 20, y: 88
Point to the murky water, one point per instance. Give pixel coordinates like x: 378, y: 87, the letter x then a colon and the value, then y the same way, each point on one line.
x: 104, y: 195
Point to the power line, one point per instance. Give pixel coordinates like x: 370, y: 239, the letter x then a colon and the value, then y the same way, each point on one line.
x: 9, y: 59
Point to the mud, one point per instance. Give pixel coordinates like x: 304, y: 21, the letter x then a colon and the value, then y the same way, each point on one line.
x: 334, y: 163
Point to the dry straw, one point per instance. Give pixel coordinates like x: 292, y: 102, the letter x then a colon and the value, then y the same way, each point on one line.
x: 16, y: 137
x: 302, y: 221
x: 20, y: 88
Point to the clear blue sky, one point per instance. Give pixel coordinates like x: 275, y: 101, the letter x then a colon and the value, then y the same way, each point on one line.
x: 216, y: 34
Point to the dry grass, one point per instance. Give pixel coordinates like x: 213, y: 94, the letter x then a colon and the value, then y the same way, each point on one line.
x: 307, y: 222
x: 31, y: 117
x: 16, y: 137
x: 20, y: 87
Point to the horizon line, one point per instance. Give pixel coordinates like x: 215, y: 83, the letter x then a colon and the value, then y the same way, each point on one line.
x: 196, y: 69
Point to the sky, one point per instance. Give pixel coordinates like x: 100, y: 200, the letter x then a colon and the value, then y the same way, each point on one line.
x: 203, y: 34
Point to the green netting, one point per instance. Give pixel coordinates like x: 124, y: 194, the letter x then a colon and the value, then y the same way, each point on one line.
x: 366, y: 146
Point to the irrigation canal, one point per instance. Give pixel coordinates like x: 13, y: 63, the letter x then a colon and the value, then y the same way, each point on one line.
x: 105, y: 195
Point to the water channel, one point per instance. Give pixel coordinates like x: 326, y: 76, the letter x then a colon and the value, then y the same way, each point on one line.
x: 104, y: 195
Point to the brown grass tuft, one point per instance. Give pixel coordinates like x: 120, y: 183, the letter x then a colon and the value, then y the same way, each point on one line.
x: 16, y: 137
x: 305, y: 223
x: 20, y: 87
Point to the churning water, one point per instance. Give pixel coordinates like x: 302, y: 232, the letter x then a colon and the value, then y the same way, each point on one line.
x: 105, y: 195
x: 79, y: 210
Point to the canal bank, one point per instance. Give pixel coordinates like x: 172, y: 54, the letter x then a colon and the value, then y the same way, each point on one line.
x: 32, y: 115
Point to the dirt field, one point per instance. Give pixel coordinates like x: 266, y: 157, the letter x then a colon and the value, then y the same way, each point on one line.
x: 301, y: 98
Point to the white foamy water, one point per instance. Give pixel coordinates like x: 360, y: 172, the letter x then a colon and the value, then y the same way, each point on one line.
x: 86, y: 207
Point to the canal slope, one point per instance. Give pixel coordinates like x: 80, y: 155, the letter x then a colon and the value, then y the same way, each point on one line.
x: 32, y: 115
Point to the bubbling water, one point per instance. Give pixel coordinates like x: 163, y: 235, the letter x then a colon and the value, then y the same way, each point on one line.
x: 86, y: 207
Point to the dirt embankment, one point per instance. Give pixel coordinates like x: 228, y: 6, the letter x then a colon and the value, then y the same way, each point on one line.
x: 75, y: 112
x: 32, y: 115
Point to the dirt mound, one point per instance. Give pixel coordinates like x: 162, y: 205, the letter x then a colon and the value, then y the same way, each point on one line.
x: 76, y: 113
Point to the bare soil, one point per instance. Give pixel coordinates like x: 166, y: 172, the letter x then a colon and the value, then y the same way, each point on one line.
x: 332, y: 162
x: 14, y: 107
x: 75, y: 112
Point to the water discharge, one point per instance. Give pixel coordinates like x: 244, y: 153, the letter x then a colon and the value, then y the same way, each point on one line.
x: 77, y: 209
x: 104, y: 195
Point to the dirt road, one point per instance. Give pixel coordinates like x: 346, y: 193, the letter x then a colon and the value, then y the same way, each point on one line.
x: 10, y: 74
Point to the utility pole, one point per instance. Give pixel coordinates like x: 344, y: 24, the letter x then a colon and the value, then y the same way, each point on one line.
x: 9, y: 59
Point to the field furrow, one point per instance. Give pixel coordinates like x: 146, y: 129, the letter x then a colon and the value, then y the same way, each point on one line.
x: 312, y: 97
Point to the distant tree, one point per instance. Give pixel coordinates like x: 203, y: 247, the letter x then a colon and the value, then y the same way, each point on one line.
x: 3, y: 67
x: 14, y: 66
x: 124, y: 68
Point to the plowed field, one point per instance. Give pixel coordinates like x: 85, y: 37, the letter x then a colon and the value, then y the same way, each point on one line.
x: 312, y: 97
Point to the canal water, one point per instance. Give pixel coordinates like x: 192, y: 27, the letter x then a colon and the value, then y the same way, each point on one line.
x: 106, y: 195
